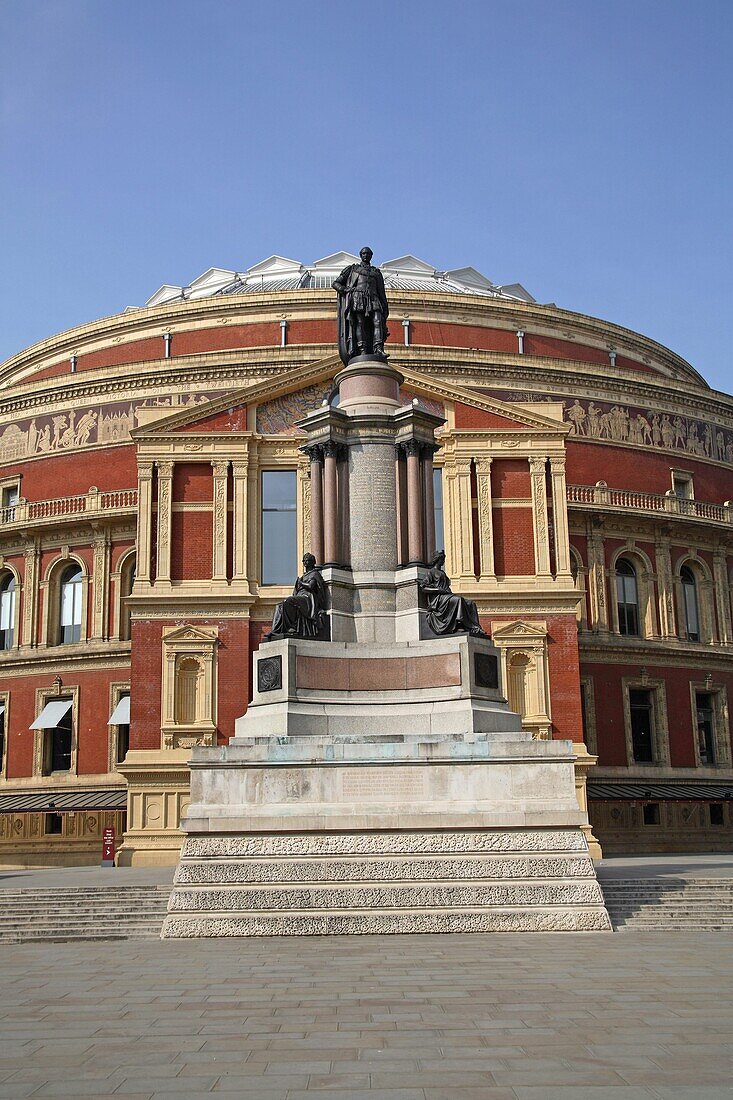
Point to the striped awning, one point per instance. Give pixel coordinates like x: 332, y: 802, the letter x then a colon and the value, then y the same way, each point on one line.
x: 712, y: 791
x: 60, y: 801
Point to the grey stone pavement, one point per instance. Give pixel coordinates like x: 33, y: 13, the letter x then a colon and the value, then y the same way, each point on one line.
x: 495, y: 1017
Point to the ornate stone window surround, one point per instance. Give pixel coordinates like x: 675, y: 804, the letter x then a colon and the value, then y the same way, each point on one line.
x: 186, y: 644
x: 116, y: 691
x: 580, y: 573
x: 705, y: 597
x: 51, y: 586
x: 43, y: 696
x: 302, y: 504
x: 6, y: 567
x: 645, y: 577
x: 660, y: 723
x: 526, y: 642
x: 721, y: 730
x: 12, y: 482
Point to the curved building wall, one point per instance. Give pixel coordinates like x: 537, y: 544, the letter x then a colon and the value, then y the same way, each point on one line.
x: 132, y: 448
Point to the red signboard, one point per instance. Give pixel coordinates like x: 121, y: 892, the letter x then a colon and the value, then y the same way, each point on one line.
x: 108, y: 846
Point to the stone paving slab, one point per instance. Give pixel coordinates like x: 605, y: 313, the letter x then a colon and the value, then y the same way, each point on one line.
x: 646, y: 1016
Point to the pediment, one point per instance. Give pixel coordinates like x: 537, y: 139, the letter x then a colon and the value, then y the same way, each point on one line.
x: 469, y: 276
x: 409, y: 265
x: 191, y: 633
x: 216, y: 278
x: 518, y: 630
x: 336, y: 261
x: 165, y: 293
x: 276, y: 265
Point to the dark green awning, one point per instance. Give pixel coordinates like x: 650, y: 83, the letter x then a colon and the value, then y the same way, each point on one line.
x: 61, y: 801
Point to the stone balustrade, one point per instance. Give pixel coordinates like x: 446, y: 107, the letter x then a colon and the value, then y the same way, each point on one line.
x: 601, y: 496
x: 26, y: 512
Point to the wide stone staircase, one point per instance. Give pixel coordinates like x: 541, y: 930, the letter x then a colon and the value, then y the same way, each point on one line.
x: 679, y: 904
x: 82, y: 913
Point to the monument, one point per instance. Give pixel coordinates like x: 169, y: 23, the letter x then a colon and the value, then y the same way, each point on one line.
x: 378, y: 781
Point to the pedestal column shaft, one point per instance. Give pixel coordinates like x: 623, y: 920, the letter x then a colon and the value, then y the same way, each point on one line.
x: 372, y: 506
x: 330, y: 506
x: 429, y: 503
x: 414, y: 504
x: 316, y: 547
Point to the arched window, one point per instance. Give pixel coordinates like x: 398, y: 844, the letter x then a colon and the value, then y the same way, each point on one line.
x: 127, y: 580
x: 517, y: 683
x: 627, y: 597
x: 187, y: 681
x: 7, y: 611
x: 70, y: 605
x: 690, y: 604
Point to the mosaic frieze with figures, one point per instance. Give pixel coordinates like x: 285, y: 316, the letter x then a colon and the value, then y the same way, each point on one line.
x: 280, y: 416
x: 645, y: 427
x: 84, y: 427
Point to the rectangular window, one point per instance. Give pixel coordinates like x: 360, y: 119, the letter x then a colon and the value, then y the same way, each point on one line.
x: 682, y: 485
x: 438, y: 509
x: 123, y: 742
x: 705, y: 715
x: 54, y: 824
x: 71, y: 612
x: 642, y: 727
x: 2, y: 737
x: 279, y: 534
x: 716, y: 813
x: 8, y: 501
x: 651, y: 813
x: 58, y: 745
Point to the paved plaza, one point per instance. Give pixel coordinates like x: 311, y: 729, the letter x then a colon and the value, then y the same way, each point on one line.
x: 502, y: 1017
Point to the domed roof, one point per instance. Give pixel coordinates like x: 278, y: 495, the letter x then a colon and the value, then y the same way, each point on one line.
x: 280, y: 273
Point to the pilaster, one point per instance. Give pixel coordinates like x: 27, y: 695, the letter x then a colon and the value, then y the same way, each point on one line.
x: 560, y: 517
x: 722, y: 596
x: 485, y: 518
x: 665, y: 584
x: 165, y: 512
x: 144, y: 520
x: 219, y: 526
x: 30, y: 594
x: 537, y: 467
x: 597, y: 579
x: 100, y: 585
x: 460, y: 532
x: 239, y: 564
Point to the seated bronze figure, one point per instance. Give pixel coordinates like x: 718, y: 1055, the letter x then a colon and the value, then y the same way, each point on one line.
x: 448, y: 614
x: 302, y: 615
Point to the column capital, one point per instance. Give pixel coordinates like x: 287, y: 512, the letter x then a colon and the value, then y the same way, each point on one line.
x: 537, y: 463
x: 412, y: 447
x: 331, y: 449
x: 220, y: 467
x: 145, y: 469
x: 557, y: 464
x: 165, y: 468
x: 239, y: 469
x: 483, y: 464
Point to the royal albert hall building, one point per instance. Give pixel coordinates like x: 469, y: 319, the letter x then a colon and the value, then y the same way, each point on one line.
x: 156, y: 504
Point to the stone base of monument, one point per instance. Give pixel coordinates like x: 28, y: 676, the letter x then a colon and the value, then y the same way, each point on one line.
x: 382, y: 789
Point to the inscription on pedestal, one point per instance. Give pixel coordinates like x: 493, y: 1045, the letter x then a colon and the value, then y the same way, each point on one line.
x: 270, y: 673
x: 486, y: 669
x: 381, y: 784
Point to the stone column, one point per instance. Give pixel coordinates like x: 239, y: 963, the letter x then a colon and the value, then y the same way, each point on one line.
x: 239, y: 563
x: 330, y: 505
x: 219, y: 548
x: 597, y: 579
x: 665, y: 583
x: 722, y: 595
x: 537, y: 466
x: 316, y: 548
x: 414, y: 503
x: 560, y: 517
x: 343, y: 506
x: 31, y: 557
x: 144, y: 520
x: 165, y: 514
x: 485, y: 518
x: 100, y: 585
x: 428, y: 502
x: 401, y: 488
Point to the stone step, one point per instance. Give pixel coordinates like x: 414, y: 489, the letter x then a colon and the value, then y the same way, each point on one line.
x: 374, y: 921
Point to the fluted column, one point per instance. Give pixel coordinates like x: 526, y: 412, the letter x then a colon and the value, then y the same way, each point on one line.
x: 330, y: 505
x: 537, y: 466
x: 239, y: 557
x: 485, y: 517
x: 165, y: 514
x: 428, y: 502
x: 414, y: 503
x: 401, y: 489
x: 560, y: 517
x: 316, y: 548
x: 219, y: 549
x: 144, y: 520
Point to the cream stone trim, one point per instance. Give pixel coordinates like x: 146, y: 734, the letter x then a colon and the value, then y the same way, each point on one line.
x: 303, y: 506
x: 144, y: 521
x: 560, y: 516
x: 457, y: 516
x: 5, y: 700
x: 589, y: 713
x: 721, y: 589
x: 32, y: 558
x: 665, y: 583
x: 219, y: 549
x: 240, y: 526
x: 116, y: 691
x: 523, y: 651
x: 197, y: 644
x: 512, y: 502
x: 43, y: 696
x: 485, y: 518
x: 537, y: 468
x: 165, y: 497
x: 597, y: 590
x: 158, y: 785
x: 101, y: 585
x: 660, y: 723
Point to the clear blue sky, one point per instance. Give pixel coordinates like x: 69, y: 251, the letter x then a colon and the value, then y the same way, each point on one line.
x: 581, y: 148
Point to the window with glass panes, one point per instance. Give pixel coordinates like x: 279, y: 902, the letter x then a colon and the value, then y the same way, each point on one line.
x: 627, y: 598
x: 689, y: 597
x: 70, y: 617
x: 705, y: 715
x: 7, y: 611
x: 279, y: 543
x: 642, y: 725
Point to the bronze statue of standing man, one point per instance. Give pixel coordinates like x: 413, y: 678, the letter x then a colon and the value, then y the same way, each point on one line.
x: 363, y: 309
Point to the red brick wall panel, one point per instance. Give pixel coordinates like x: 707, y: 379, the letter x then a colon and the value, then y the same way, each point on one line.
x: 71, y: 474
x: 513, y: 542
x: 644, y: 469
x: 229, y: 420
x: 510, y: 479
x: 468, y: 416
x: 193, y: 483
x: 191, y: 546
x: 146, y: 676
